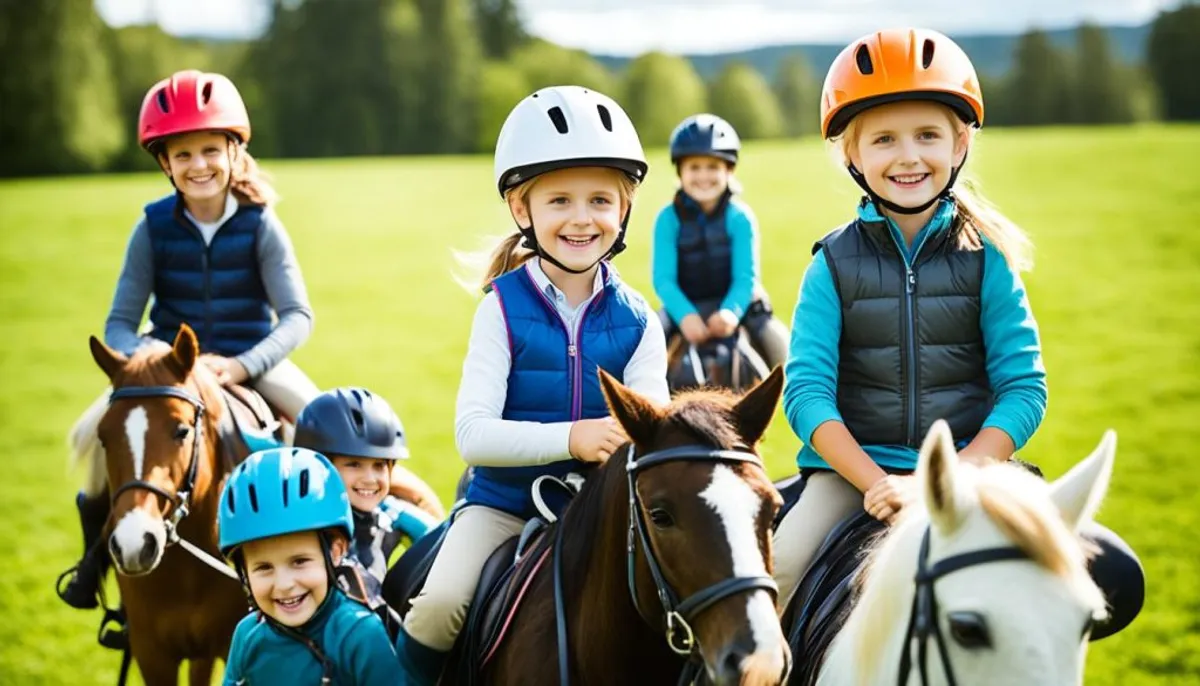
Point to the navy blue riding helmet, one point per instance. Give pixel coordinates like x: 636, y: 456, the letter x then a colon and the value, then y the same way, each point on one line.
x: 351, y: 421
x: 705, y: 135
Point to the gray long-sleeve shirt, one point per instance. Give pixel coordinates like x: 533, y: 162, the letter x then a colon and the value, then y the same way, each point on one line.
x: 282, y: 280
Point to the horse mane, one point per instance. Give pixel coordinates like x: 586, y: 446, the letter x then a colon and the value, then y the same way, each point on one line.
x: 1017, y: 503
x: 148, y: 366
x: 703, y: 415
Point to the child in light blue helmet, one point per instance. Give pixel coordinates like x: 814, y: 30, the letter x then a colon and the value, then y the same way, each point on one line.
x: 284, y: 523
x: 362, y: 436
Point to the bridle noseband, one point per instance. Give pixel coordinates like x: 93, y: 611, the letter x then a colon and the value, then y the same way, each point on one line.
x: 924, y: 618
x: 181, y: 499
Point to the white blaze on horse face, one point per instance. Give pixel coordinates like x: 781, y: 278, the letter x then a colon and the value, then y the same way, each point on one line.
x: 137, y: 423
x: 738, y: 506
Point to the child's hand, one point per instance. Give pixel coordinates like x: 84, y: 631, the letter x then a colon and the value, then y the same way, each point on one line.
x: 722, y: 323
x: 595, y: 440
x: 228, y: 370
x: 888, y: 496
x: 693, y: 329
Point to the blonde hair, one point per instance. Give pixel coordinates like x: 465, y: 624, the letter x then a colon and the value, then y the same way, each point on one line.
x: 977, y: 219
x: 510, y: 253
x: 248, y: 182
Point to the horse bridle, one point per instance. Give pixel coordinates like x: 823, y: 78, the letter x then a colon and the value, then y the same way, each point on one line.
x: 181, y: 499
x: 678, y: 615
x: 923, y: 621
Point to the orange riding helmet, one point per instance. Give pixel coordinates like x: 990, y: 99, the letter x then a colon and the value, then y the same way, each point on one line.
x: 899, y: 64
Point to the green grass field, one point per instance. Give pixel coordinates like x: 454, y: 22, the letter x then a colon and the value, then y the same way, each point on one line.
x: 1115, y: 214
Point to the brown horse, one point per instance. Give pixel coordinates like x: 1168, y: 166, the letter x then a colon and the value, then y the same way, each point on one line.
x: 664, y: 557
x: 165, y: 466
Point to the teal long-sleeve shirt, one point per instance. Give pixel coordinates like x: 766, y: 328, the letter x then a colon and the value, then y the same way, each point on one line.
x: 350, y: 635
x: 1010, y: 338
x: 742, y: 228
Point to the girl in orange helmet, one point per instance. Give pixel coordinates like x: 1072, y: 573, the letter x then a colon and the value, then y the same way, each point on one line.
x: 915, y: 310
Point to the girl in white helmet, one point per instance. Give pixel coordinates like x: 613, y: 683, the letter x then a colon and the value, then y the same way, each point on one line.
x: 568, y: 163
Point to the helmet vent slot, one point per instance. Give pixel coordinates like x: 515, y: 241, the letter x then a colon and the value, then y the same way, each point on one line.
x: 303, y: 482
x: 927, y: 54
x: 605, y: 117
x: 285, y: 492
x: 206, y: 93
x: 862, y: 58
x: 559, y: 119
x: 253, y: 497
x: 162, y: 101
x: 229, y: 501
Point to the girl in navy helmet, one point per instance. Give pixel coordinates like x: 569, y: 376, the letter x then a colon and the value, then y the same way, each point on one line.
x: 358, y: 431
x: 705, y: 265
x: 284, y: 523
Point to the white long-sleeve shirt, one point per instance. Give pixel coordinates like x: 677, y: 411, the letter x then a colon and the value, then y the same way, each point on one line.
x: 486, y: 440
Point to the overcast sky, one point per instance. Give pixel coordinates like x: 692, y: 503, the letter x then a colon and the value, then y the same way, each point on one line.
x: 630, y: 27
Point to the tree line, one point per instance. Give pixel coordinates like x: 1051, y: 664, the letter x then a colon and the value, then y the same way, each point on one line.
x: 388, y: 77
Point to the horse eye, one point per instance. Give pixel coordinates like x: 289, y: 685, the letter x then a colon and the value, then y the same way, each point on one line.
x: 182, y: 431
x: 661, y: 518
x: 970, y: 630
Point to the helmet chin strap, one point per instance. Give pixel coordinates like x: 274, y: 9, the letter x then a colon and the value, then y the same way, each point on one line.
x: 901, y: 209
x: 531, y: 242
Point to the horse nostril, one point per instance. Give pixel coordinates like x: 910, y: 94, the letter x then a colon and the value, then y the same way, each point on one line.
x: 149, y: 549
x: 729, y: 668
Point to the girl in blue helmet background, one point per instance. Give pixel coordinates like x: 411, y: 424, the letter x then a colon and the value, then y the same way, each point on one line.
x: 705, y: 267
x: 284, y: 523
x: 363, y: 437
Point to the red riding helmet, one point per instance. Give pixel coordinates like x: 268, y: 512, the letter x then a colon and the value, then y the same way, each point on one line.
x: 192, y: 101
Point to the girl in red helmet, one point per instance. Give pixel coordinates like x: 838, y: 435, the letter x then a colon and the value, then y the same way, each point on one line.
x: 214, y: 255
x: 915, y: 310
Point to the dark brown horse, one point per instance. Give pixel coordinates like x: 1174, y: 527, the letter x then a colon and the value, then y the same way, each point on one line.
x: 165, y: 466
x: 665, y: 554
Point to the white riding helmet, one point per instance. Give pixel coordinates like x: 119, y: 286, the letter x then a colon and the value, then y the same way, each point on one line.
x: 566, y: 126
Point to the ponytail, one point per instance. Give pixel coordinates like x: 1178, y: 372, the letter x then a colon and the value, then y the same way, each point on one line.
x: 978, y: 221
x: 248, y: 182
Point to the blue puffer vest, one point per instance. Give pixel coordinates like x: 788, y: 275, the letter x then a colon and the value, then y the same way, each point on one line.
x: 216, y: 289
x: 705, y: 252
x: 543, y: 357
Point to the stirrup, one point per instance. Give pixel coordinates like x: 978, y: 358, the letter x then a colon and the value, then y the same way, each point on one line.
x: 115, y: 637
x: 71, y: 576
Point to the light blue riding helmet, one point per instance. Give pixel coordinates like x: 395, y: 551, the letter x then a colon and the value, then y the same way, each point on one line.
x: 282, y: 491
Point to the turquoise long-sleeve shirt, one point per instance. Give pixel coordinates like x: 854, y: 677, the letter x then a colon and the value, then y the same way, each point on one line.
x: 1010, y: 338
x: 351, y: 636
x: 742, y: 228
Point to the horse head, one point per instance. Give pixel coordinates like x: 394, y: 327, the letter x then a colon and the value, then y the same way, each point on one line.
x: 1003, y: 593
x: 158, y: 445
x: 701, y: 509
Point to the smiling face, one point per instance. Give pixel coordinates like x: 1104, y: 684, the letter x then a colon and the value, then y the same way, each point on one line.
x: 367, y: 480
x: 704, y: 179
x: 576, y: 213
x: 199, y: 163
x: 287, y: 575
x: 906, y: 150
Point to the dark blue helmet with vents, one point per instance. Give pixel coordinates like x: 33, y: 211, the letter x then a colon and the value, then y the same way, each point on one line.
x: 351, y: 421
x: 705, y: 135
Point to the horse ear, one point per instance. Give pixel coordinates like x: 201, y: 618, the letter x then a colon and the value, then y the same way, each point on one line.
x: 753, y: 413
x: 110, y: 361
x: 1078, y: 492
x: 937, y: 467
x: 185, y: 349
x: 637, y: 415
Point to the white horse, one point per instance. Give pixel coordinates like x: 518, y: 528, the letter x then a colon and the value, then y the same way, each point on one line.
x: 1007, y: 597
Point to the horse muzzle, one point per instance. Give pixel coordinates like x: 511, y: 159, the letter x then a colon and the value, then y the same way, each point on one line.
x: 137, y: 543
x: 740, y: 665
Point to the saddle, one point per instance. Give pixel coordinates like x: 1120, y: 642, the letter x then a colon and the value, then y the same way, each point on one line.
x: 250, y: 425
x: 503, y: 582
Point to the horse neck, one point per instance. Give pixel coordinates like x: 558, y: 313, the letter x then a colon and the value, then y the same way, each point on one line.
x: 608, y: 633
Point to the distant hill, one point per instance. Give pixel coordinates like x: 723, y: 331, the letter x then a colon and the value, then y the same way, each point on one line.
x: 992, y: 54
